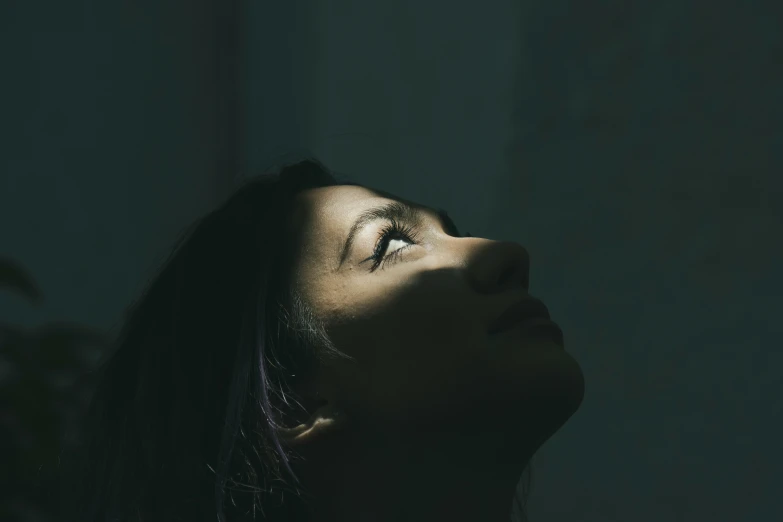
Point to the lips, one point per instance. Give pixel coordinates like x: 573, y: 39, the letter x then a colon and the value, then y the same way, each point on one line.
x: 522, y: 311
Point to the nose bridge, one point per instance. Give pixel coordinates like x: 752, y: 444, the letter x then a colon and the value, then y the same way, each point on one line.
x: 498, y: 266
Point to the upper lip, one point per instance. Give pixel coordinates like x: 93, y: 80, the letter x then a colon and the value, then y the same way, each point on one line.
x: 527, y: 308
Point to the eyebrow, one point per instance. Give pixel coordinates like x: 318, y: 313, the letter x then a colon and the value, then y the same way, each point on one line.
x: 392, y: 211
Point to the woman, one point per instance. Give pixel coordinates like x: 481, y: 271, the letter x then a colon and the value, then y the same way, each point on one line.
x: 318, y: 350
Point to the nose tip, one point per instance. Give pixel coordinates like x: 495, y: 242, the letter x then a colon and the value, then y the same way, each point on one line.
x: 515, y: 275
x: 516, y: 267
x: 504, y: 266
x: 496, y: 271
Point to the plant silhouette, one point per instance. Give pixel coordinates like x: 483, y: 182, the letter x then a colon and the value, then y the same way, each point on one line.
x: 44, y: 388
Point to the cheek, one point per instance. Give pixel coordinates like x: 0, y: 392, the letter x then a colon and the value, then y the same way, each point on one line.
x: 417, y: 339
x: 419, y: 361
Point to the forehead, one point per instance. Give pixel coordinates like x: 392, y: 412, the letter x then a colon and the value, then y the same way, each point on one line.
x: 335, y: 205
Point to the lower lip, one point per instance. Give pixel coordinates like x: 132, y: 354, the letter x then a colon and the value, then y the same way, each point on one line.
x: 537, y: 327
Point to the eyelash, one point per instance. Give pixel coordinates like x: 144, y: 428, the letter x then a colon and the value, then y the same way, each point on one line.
x: 394, y: 230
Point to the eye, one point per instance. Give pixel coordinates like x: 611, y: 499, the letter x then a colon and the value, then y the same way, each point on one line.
x: 394, y: 231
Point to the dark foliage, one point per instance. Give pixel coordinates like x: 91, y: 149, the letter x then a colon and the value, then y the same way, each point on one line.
x: 44, y: 388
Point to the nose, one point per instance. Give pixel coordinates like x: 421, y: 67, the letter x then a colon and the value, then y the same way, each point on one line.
x: 499, y: 266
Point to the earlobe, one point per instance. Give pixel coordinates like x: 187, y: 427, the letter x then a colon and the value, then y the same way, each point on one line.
x: 323, y: 421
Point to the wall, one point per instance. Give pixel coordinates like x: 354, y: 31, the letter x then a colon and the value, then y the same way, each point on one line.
x: 111, y: 141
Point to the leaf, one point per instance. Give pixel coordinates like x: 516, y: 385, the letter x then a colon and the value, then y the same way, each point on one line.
x: 15, y: 278
x: 36, y: 400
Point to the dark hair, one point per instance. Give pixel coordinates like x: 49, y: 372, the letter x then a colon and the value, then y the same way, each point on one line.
x: 182, y: 421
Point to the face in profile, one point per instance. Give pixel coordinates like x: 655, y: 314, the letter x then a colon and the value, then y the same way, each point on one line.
x: 435, y: 410
x: 412, y: 301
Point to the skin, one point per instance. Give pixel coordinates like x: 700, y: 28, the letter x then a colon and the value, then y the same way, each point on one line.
x: 435, y: 419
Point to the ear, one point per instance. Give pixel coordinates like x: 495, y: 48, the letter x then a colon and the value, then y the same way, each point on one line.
x: 323, y: 421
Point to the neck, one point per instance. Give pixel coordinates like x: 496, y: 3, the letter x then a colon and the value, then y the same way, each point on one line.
x: 426, y: 477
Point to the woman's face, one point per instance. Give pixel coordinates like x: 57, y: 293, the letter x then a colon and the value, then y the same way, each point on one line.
x: 416, y: 319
